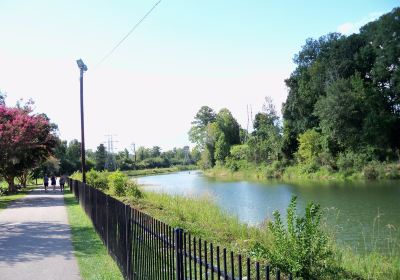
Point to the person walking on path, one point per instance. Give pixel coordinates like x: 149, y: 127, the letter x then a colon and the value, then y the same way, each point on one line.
x: 53, y: 182
x: 62, y: 183
x: 45, y: 182
x: 35, y: 239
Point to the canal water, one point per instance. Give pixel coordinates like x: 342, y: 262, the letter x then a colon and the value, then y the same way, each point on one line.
x: 365, y: 216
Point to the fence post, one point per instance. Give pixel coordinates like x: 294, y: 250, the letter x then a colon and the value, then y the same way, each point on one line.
x: 107, y: 217
x: 179, y: 253
x: 128, y: 240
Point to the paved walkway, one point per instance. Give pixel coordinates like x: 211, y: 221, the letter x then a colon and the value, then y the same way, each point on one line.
x: 35, y: 239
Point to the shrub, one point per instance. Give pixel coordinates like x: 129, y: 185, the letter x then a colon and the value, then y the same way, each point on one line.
x: 76, y: 176
x: 310, y: 146
x: 310, y: 167
x: 301, y: 247
x: 351, y: 161
x: 327, y: 160
x: 275, y: 169
x: 3, y: 190
x: 97, y: 179
x: 132, y: 189
x: 118, y: 182
x: 239, y: 152
x: 372, y: 170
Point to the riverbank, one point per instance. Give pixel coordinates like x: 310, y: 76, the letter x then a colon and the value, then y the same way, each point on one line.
x: 157, y: 171
x: 278, y: 171
x: 205, y: 219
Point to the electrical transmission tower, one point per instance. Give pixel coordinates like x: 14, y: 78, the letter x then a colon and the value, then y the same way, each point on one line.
x: 111, y: 163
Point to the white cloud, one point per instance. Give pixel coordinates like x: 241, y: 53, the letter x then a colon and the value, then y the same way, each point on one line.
x: 348, y: 28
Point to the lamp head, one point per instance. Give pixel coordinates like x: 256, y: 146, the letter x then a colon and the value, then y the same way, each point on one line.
x: 81, y: 65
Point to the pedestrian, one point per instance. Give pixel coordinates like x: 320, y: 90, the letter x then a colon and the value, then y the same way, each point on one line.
x: 62, y: 182
x: 53, y: 182
x: 45, y: 182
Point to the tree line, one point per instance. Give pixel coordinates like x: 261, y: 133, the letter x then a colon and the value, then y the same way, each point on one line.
x: 342, y: 110
x: 30, y: 148
x: 66, y: 159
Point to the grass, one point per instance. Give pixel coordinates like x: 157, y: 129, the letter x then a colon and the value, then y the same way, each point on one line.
x: 200, y: 217
x: 203, y: 218
x: 93, y: 259
x: 5, y: 200
x: 294, y: 173
x: 155, y: 171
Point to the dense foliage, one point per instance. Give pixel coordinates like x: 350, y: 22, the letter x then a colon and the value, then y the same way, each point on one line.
x: 115, y: 183
x: 348, y: 88
x: 26, y: 140
x: 342, y: 112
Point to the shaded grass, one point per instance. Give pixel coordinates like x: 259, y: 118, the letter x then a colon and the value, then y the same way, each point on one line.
x: 93, y: 259
x: 5, y: 200
x: 155, y: 171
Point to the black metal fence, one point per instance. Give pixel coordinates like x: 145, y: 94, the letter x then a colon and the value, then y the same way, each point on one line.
x: 145, y: 248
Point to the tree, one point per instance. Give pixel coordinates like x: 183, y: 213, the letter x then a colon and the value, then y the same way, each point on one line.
x: 51, y: 166
x: 310, y: 146
x: 26, y: 140
x: 100, y: 157
x: 212, y: 134
x: 203, y: 118
x: 355, y: 80
x: 229, y: 126
x: 124, y: 162
x: 341, y: 113
x: 155, y: 151
x: 265, y: 142
x: 222, y: 148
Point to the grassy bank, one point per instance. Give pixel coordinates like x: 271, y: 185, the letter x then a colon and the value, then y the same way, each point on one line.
x: 93, y: 259
x: 205, y: 219
x: 155, y: 171
x: 299, y: 249
x: 278, y: 171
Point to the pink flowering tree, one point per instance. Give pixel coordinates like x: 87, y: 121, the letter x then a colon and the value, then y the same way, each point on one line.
x: 26, y: 140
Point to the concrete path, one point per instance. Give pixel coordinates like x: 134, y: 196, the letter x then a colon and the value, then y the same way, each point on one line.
x: 35, y: 239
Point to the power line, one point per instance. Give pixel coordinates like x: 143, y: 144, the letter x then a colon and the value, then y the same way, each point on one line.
x: 129, y: 33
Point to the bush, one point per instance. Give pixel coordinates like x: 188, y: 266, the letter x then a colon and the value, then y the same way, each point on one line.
x: 132, y: 189
x: 392, y: 171
x: 239, y: 152
x: 3, y: 190
x: 301, y: 247
x: 97, y: 179
x: 327, y: 160
x: 310, y: 146
x: 275, y: 169
x: 351, y: 162
x: 372, y: 170
x: 76, y: 176
x: 118, y: 182
x: 310, y: 167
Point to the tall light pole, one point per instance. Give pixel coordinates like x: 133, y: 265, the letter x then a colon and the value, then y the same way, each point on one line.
x: 83, y: 68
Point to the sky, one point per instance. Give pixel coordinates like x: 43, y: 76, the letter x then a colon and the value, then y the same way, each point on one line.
x: 185, y: 54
